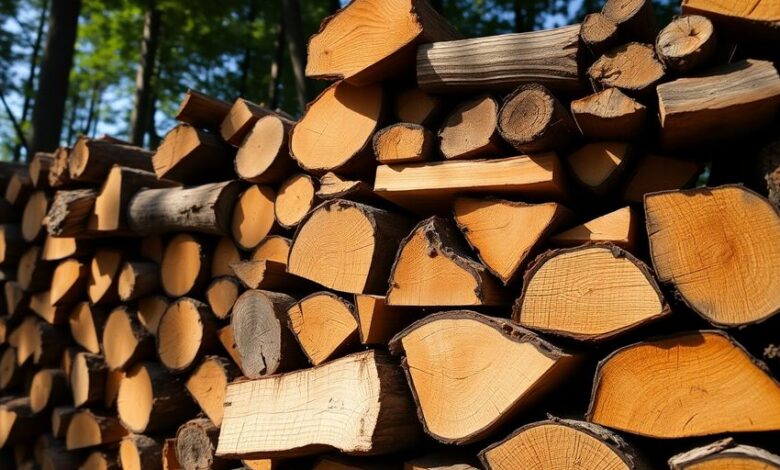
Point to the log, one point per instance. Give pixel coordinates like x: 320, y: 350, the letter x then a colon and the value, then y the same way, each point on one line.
x: 434, y: 268
x: 471, y: 130
x: 49, y: 387
x: 88, y: 379
x: 222, y: 294
x: 599, y: 34
x: 415, y: 106
x: 269, y: 275
x: 724, y: 453
x: 208, y: 385
x: 205, y: 209
x: 320, y: 144
x: 227, y: 339
x: 90, y: 428
x: 19, y: 189
x: 379, y: 322
x: 369, y: 235
x: 60, y: 248
x: 274, y: 248
x: 68, y: 282
x: 502, y: 63
x: 138, y: 279
x: 92, y: 159
x: 378, y: 420
x: 40, y: 341
x: 39, y: 169
x: 619, y: 227
x: 202, y: 111
x: 41, y: 305
x: 187, y: 331
x: 264, y: 154
x: 264, y: 343
x: 86, y: 326
x: 403, y: 143
x: 18, y: 423
x: 59, y: 176
x: 196, y: 444
x: 325, y: 326
x: 150, y: 310
x: 101, y: 459
x: 656, y: 172
x: 192, y: 156
x: 710, y: 385
x: 576, y: 443
x: 253, y: 216
x: 70, y: 211
x: 711, y: 278
x: 609, y: 115
x: 104, y: 270
x: 687, y: 44
x: 750, y: 22
x: 185, y: 265
x: 12, y: 244
x: 114, y: 379
x: 10, y: 371
x: 340, y: 49
x: 296, y: 198
x: 507, y: 234
x: 701, y: 109
x: 532, y: 120
x: 426, y: 187
x: 151, y: 400
x: 60, y: 420
x: 138, y: 452
x: 225, y: 253
x: 632, y: 68
x: 599, y: 166
x: 32, y: 218
x: 169, y: 461
x: 601, y: 291
x: 635, y: 18
x: 333, y: 186
x: 125, y: 341
x: 34, y: 274
x: 450, y: 394
x: 239, y: 120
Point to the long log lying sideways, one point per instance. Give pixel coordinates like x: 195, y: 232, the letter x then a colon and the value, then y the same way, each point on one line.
x: 92, y: 159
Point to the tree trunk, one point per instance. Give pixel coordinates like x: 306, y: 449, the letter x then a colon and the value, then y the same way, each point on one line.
x: 93, y: 99
x: 293, y: 35
x: 55, y: 72
x: 143, y: 86
x: 274, y: 80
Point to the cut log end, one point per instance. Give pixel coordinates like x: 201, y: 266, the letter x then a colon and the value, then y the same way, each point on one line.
x: 222, y: 294
x: 104, y: 268
x: 532, y: 120
x: 264, y: 155
x: 138, y: 452
x: 185, y: 265
x: 296, y: 197
x: 324, y: 324
x: 417, y: 107
x: 403, y: 143
x: 125, y: 340
x: 609, y: 115
x: 687, y: 43
x: 470, y: 130
x: 633, y: 68
x: 186, y: 330
x: 598, y: 166
x: 208, y: 385
x: 253, y: 216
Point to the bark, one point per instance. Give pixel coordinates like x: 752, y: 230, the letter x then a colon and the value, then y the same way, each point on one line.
x: 143, y: 81
x: 296, y: 48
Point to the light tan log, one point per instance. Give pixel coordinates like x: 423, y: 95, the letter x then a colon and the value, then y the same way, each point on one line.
x: 296, y: 197
x: 150, y: 310
x: 185, y: 265
x: 39, y: 169
x: 57, y: 249
x: 599, y: 166
x: 599, y: 34
x: 104, y: 271
x: 196, y: 444
x: 19, y: 189
x: 60, y: 420
x: 41, y: 341
x: 632, y: 68
x: 18, y: 423
x: 70, y: 212
x: 222, y: 294
x: 186, y: 332
x: 202, y: 111
x: 471, y: 130
x: 333, y: 186
x: 68, y: 282
x: 656, y: 172
x: 86, y: 326
x: 635, y: 18
x: 325, y: 326
x: 89, y: 429
x: 758, y: 21
x: 41, y: 305
x: 619, y: 227
x: 274, y: 248
x: 138, y: 279
x: 88, y: 379
x: 264, y: 154
x: 33, y: 273
x: 32, y: 218
x: 239, y: 120
x: 227, y: 340
x: 49, y: 387
x: 12, y: 244
x: 253, y: 216
x: 403, y: 143
x: 269, y: 275
x: 139, y: 452
x: 101, y: 459
x: 225, y: 254
x: 687, y: 43
x: 417, y: 107
x: 10, y: 372
x: 208, y: 385
x: 533, y: 121
x: 609, y: 115
x: 125, y: 341
x: 379, y: 322
x: 92, y: 159
x: 192, y: 156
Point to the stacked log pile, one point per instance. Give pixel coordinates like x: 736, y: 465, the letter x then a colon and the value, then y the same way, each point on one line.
x: 541, y: 250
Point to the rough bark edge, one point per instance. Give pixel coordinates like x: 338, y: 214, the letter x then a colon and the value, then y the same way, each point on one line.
x: 428, y: 145
x: 722, y: 448
x: 557, y: 134
x: 344, y: 345
x: 494, y: 141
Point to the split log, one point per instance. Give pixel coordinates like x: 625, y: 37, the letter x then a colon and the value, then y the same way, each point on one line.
x: 101, y: 459
x: 711, y: 278
x: 333, y: 186
x: 471, y: 130
x: 227, y: 339
x: 448, y: 460
x: 632, y: 68
x: 710, y: 385
x: 599, y: 166
x: 18, y: 423
x: 39, y: 169
x: 114, y: 379
x: 138, y: 452
x: 196, y: 444
x: 204, y: 209
x: 379, y: 322
x: 619, y: 227
x: 269, y: 275
x: 92, y: 159
x: 724, y: 453
x: 576, y: 443
x: 10, y: 371
x: 138, y: 279
x: 59, y: 176
x: 296, y: 198
x: 208, y: 385
x: 104, y: 270
x: 125, y: 341
x: 34, y: 274
x: 506, y: 234
x: 494, y: 354
x: 403, y: 143
x: 599, y: 34
x: 601, y: 291
x: 49, y: 387
x: 19, y: 189
x: 659, y: 173
x: 186, y: 332
x: 222, y: 294
x: 89, y: 428
x: 192, y: 156
x: 264, y: 155
x: 274, y: 248
x: 40, y: 341
x: 152, y: 247
x: 635, y: 18
x: 253, y: 216
x: 60, y: 420
x: 502, y: 62
x: 41, y: 304
x: 325, y: 326
x: 151, y: 400
x: 88, y: 379
x: 425, y: 187
x: 434, y: 268
x: 86, y: 326
x: 32, y: 218
x: 369, y: 235
x: 169, y: 461
x: 185, y: 265
x: 417, y: 107
x: 225, y: 253
x: 340, y: 49
x: 68, y: 282
x: 70, y: 212
x: 239, y: 120
x: 202, y: 111
x: 12, y: 244
x: 687, y: 43
x: 150, y: 310
x: 319, y: 143
x: 57, y: 249
x: 379, y: 420
x: 699, y: 109
x: 532, y: 120
x: 749, y: 21
x: 609, y: 115
x: 262, y: 338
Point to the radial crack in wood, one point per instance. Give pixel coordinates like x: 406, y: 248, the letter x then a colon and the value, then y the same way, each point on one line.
x: 687, y: 43
x: 633, y: 68
x: 208, y: 385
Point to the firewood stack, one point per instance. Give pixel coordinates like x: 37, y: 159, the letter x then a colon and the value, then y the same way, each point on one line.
x: 467, y: 253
